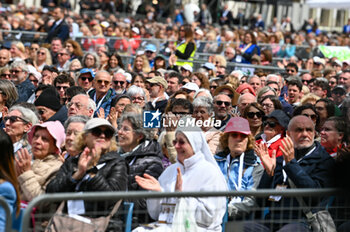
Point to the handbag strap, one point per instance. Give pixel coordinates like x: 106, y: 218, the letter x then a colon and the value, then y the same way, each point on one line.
x: 115, y: 209
x: 306, y: 209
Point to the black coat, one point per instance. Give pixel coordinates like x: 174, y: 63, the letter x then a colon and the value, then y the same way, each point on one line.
x: 110, y: 177
x: 61, y: 31
x: 312, y: 171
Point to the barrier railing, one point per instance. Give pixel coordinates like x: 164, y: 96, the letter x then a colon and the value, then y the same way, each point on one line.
x: 110, y: 197
x: 8, y: 215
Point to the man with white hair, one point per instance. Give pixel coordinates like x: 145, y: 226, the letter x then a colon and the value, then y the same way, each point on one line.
x: 119, y: 83
x: 81, y: 104
x: 304, y: 163
x: 244, y: 100
x: 19, y: 76
x: 230, y: 54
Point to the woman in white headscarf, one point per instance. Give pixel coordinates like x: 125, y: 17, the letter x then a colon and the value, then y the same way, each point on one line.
x: 195, y: 170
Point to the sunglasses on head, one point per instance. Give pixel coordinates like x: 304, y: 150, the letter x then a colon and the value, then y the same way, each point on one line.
x: 97, y: 132
x: 252, y: 114
x: 84, y: 78
x: 312, y: 116
x: 219, y: 103
x: 14, y: 119
x: 271, y: 124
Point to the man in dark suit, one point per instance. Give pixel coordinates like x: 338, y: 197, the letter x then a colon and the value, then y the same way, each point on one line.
x: 59, y: 28
x: 226, y: 17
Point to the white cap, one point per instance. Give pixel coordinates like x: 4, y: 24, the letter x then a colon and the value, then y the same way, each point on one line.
x: 319, y: 60
x: 199, y: 32
x: 187, y: 67
x: 136, y: 30
x: 35, y: 73
x: 190, y: 86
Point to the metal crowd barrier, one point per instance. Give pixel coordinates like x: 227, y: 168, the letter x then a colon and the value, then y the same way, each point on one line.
x: 256, y: 215
x: 6, y: 208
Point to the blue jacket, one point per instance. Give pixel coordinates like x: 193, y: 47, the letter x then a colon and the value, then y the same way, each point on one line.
x: 312, y: 171
x: 106, y: 102
x: 230, y: 167
x: 25, y: 90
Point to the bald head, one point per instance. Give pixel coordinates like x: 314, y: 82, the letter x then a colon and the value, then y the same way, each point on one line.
x: 301, y: 130
x: 5, y: 56
x: 244, y: 100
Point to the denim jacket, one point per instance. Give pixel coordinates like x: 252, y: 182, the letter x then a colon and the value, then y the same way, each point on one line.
x: 106, y: 101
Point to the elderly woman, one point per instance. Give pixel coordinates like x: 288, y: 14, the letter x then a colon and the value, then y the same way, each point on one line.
x: 137, y: 95
x: 140, y: 150
x: 254, y: 114
x: 239, y: 163
x: 18, y: 123
x: 270, y: 103
x: 203, y: 110
x: 8, y: 95
x: 333, y: 134
x: 91, y: 60
x: 73, y: 127
x: 195, y: 170
x: 46, y: 140
x: 275, y: 126
x: 97, y: 168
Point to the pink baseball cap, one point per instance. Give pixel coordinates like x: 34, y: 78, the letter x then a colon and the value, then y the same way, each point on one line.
x: 244, y: 86
x: 55, y: 129
x: 238, y: 124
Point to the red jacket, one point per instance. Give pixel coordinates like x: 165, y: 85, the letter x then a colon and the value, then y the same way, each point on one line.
x: 274, y: 146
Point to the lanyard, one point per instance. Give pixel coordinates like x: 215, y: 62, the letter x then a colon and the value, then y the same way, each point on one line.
x: 100, y: 102
x: 284, y: 163
x: 238, y: 185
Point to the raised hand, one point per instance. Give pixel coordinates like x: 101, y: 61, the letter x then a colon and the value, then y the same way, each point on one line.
x: 178, y: 185
x: 101, y: 113
x: 269, y: 162
x: 112, y: 117
x: 23, y: 162
x: 287, y: 149
x: 148, y: 182
x: 83, y: 163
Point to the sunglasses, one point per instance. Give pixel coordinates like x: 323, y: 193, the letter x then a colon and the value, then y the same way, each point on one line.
x: 219, y: 103
x: 119, y: 82
x: 138, y: 98
x: 14, y: 119
x: 312, y: 116
x: 15, y: 71
x: 290, y: 70
x: 61, y: 87
x: 184, y: 83
x: 307, y: 81
x: 34, y: 81
x: 341, y: 93
x: 5, y: 75
x: 213, y: 86
x: 180, y: 142
x: 41, y: 53
x: 332, y: 82
x: 41, y: 112
x: 84, y: 78
x: 271, y: 124
x: 101, y: 81
x: 252, y: 114
x: 97, y: 132
x: 62, y: 54
x: 179, y: 114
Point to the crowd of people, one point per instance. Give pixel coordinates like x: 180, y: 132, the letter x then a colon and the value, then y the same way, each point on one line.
x: 72, y: 113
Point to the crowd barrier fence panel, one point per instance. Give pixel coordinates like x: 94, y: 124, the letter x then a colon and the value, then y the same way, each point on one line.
x: 256, y: 215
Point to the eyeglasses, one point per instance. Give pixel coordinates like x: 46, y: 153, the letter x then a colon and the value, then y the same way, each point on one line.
x: 271, y: 124
x: 97, y: 132
x: 86, y: 78
x: 78, y: 105
x: 290, y: 70
x: 61, y: 87
x: 34, y: 81
x: 15, y: 119
x: 188, y: 91
x: 5, y: 75
x: 41, y: 53
x: 219, y: 103
x: 180, y: 114
x: 102, y: 82
x: 267, y: 105
x: 213, y: 86
x: 62, y: 54
x: 307, y: 81
x: 180, y: 142
x: 312, y: 116
x: 138, y: 98
x: 332, y: 82
x: 15, y: 71
x: 252, y: 114
x: 119, y: 82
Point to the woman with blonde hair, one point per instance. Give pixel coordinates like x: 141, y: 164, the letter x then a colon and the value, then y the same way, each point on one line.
x: 43, y: 58
x: 141, y: 64
x: 309, y: 98
x: 185, y: 47
x: 18, y: 50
